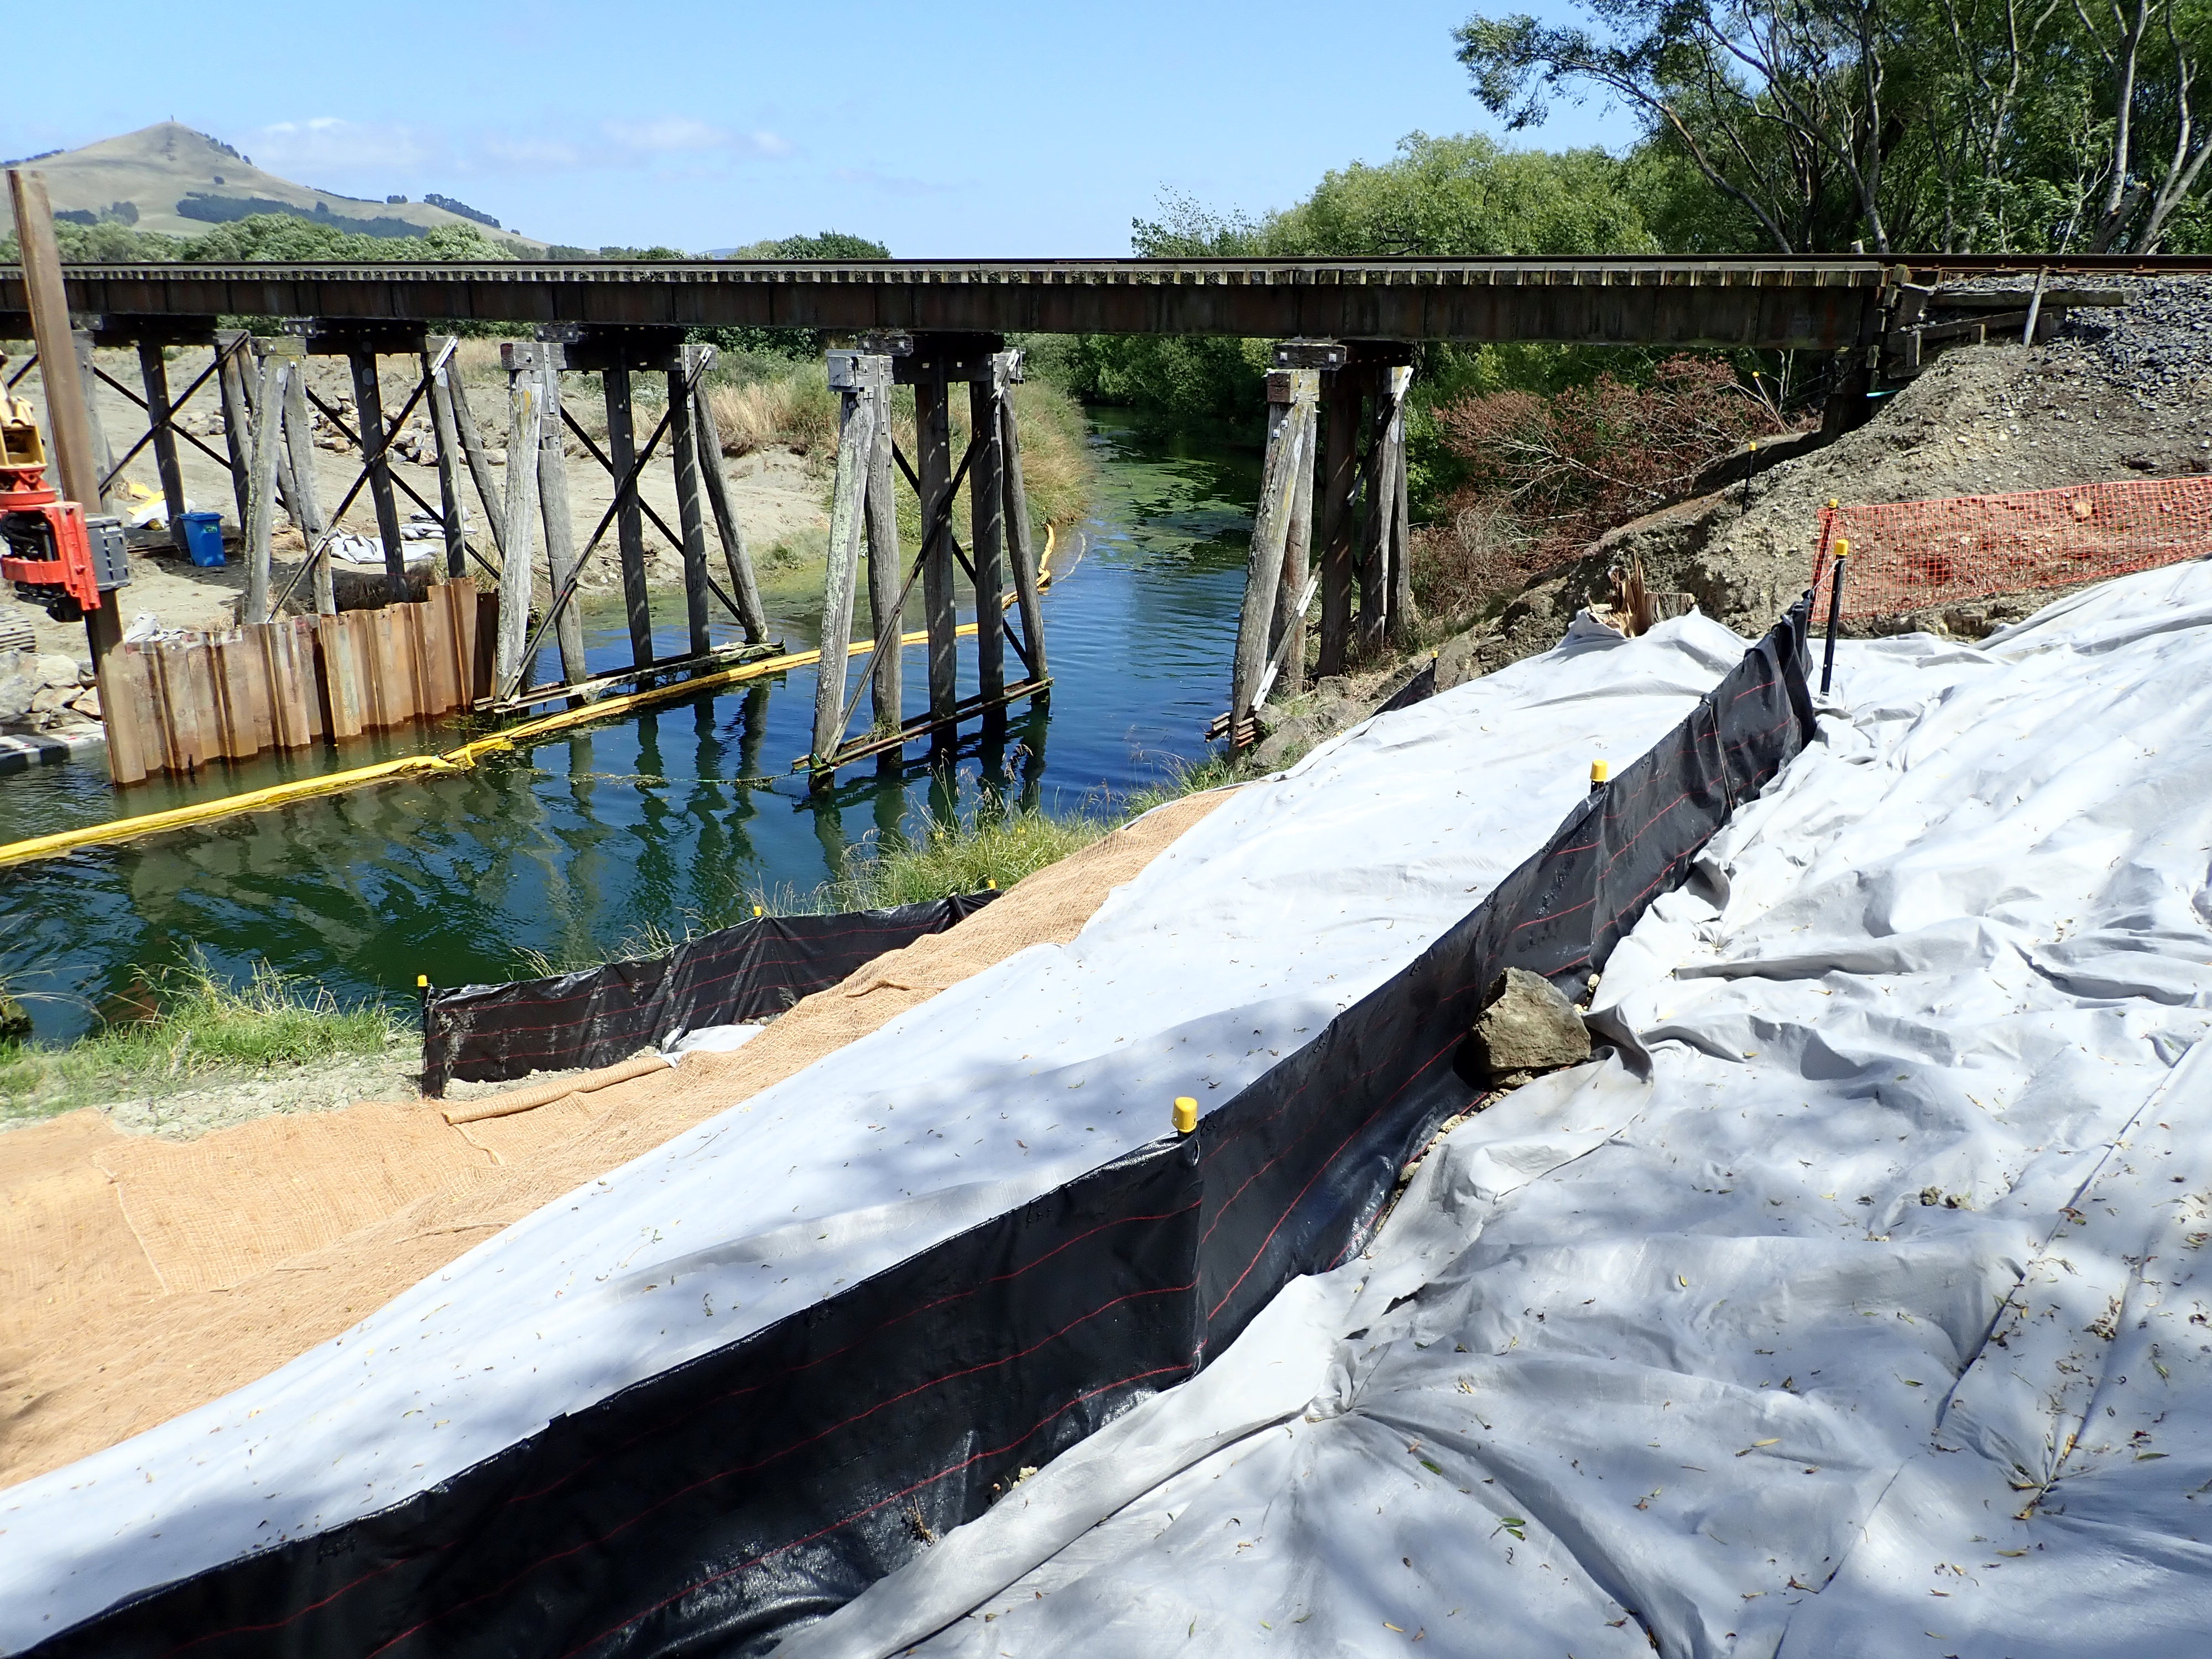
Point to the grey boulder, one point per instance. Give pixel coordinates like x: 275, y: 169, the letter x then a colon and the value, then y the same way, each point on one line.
x: 20, y: 682
x: 1528, y: 1026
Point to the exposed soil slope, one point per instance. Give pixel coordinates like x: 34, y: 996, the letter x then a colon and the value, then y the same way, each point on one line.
x: 2119, y: 394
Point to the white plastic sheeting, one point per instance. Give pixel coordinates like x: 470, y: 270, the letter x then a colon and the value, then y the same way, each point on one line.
x: 1854, y: 1304
x: 710, y: 1040
x: 1288, y: 904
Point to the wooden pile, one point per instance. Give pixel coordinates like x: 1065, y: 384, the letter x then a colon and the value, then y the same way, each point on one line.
x: 175, y: 704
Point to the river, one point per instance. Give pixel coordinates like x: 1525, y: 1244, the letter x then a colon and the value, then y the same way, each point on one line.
x: 670, y: 820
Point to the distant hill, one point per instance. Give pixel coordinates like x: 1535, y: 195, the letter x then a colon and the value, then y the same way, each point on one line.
x: 167, y: 177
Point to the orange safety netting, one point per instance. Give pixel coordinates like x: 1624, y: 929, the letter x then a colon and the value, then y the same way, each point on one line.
x: 1912, y: 556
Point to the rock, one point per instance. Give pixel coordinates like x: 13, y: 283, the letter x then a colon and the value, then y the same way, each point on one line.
x: 55, y: 668
x: 88, y: 705
x: 1528, y: 1026
x: 1289, y: 740
x: 18, y: 685
x: 52, y: 698
x: 14, y: 1020
x: 1458, y: 662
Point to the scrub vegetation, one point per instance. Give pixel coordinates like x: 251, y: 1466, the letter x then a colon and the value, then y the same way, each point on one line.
x: 939, y: 857
x: 287, y: 237
x: 194, y: 1030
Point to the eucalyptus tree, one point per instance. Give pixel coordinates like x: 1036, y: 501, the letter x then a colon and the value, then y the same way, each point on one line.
x: 1782, y: 106
x: 2158, y: 130
x: 1950, y: 125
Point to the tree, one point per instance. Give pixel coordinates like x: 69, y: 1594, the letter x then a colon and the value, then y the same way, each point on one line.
x: 293, y: 238
x: 1441, y: 198
x: 827, y: 245
x: 1778, y: 105
x: 1466, y: 195
x: 793, y: 343
x: 1953, y: 125
x: 2156, y: 152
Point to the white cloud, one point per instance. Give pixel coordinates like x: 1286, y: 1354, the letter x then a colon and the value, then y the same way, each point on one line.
x: 685, y: 135
x: 329, y: 143
x: 520, y: 152
x: 667, y: 132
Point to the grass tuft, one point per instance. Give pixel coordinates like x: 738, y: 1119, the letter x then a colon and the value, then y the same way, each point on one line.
x: 1185, y: 777
x: 203, y: 1030
x: 938, y: 858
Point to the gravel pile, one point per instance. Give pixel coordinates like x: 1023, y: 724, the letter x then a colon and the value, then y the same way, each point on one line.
x: 2156, y: 349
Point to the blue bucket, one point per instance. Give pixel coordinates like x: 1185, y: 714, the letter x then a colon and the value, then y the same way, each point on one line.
x: 202, y: 534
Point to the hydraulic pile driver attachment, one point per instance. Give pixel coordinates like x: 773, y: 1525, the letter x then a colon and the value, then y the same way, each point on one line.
x: 55, y: 556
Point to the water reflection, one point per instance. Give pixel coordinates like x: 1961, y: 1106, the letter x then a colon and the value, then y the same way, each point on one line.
x: 675, y: 817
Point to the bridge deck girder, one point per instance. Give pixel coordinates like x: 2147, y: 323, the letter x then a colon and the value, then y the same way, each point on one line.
x: 1811, y: 303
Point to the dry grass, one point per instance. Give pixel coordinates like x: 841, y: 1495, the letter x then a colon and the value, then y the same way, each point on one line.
x: 795, y: 411
x: 790, y: 407
x: 1057, y: 469
x: 1056, y: 463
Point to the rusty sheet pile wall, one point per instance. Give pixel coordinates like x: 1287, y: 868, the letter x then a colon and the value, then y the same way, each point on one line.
x: 1911, y: 556
x: 176, y: 704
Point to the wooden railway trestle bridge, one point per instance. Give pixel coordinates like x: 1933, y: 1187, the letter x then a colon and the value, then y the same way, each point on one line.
x: 1332, y: 523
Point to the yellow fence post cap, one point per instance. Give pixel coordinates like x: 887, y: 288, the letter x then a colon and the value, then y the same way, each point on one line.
x: 1601, y: 771
x: 421, y: 981
x: 757, y: 909
x: 1843, y: 548
x: 1186, y: 1115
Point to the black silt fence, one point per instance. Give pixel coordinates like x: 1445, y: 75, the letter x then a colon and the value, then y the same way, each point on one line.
x: 1419, y: 689
x: 595, y: 1016
x: 715, y: 1506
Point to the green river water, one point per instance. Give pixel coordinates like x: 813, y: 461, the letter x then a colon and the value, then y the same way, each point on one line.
x: 672, y: 819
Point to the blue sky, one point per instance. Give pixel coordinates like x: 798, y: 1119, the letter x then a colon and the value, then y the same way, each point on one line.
x: 965, y: 127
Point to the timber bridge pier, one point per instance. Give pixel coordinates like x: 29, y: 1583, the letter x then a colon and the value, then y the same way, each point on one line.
x: 1332, y: 519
